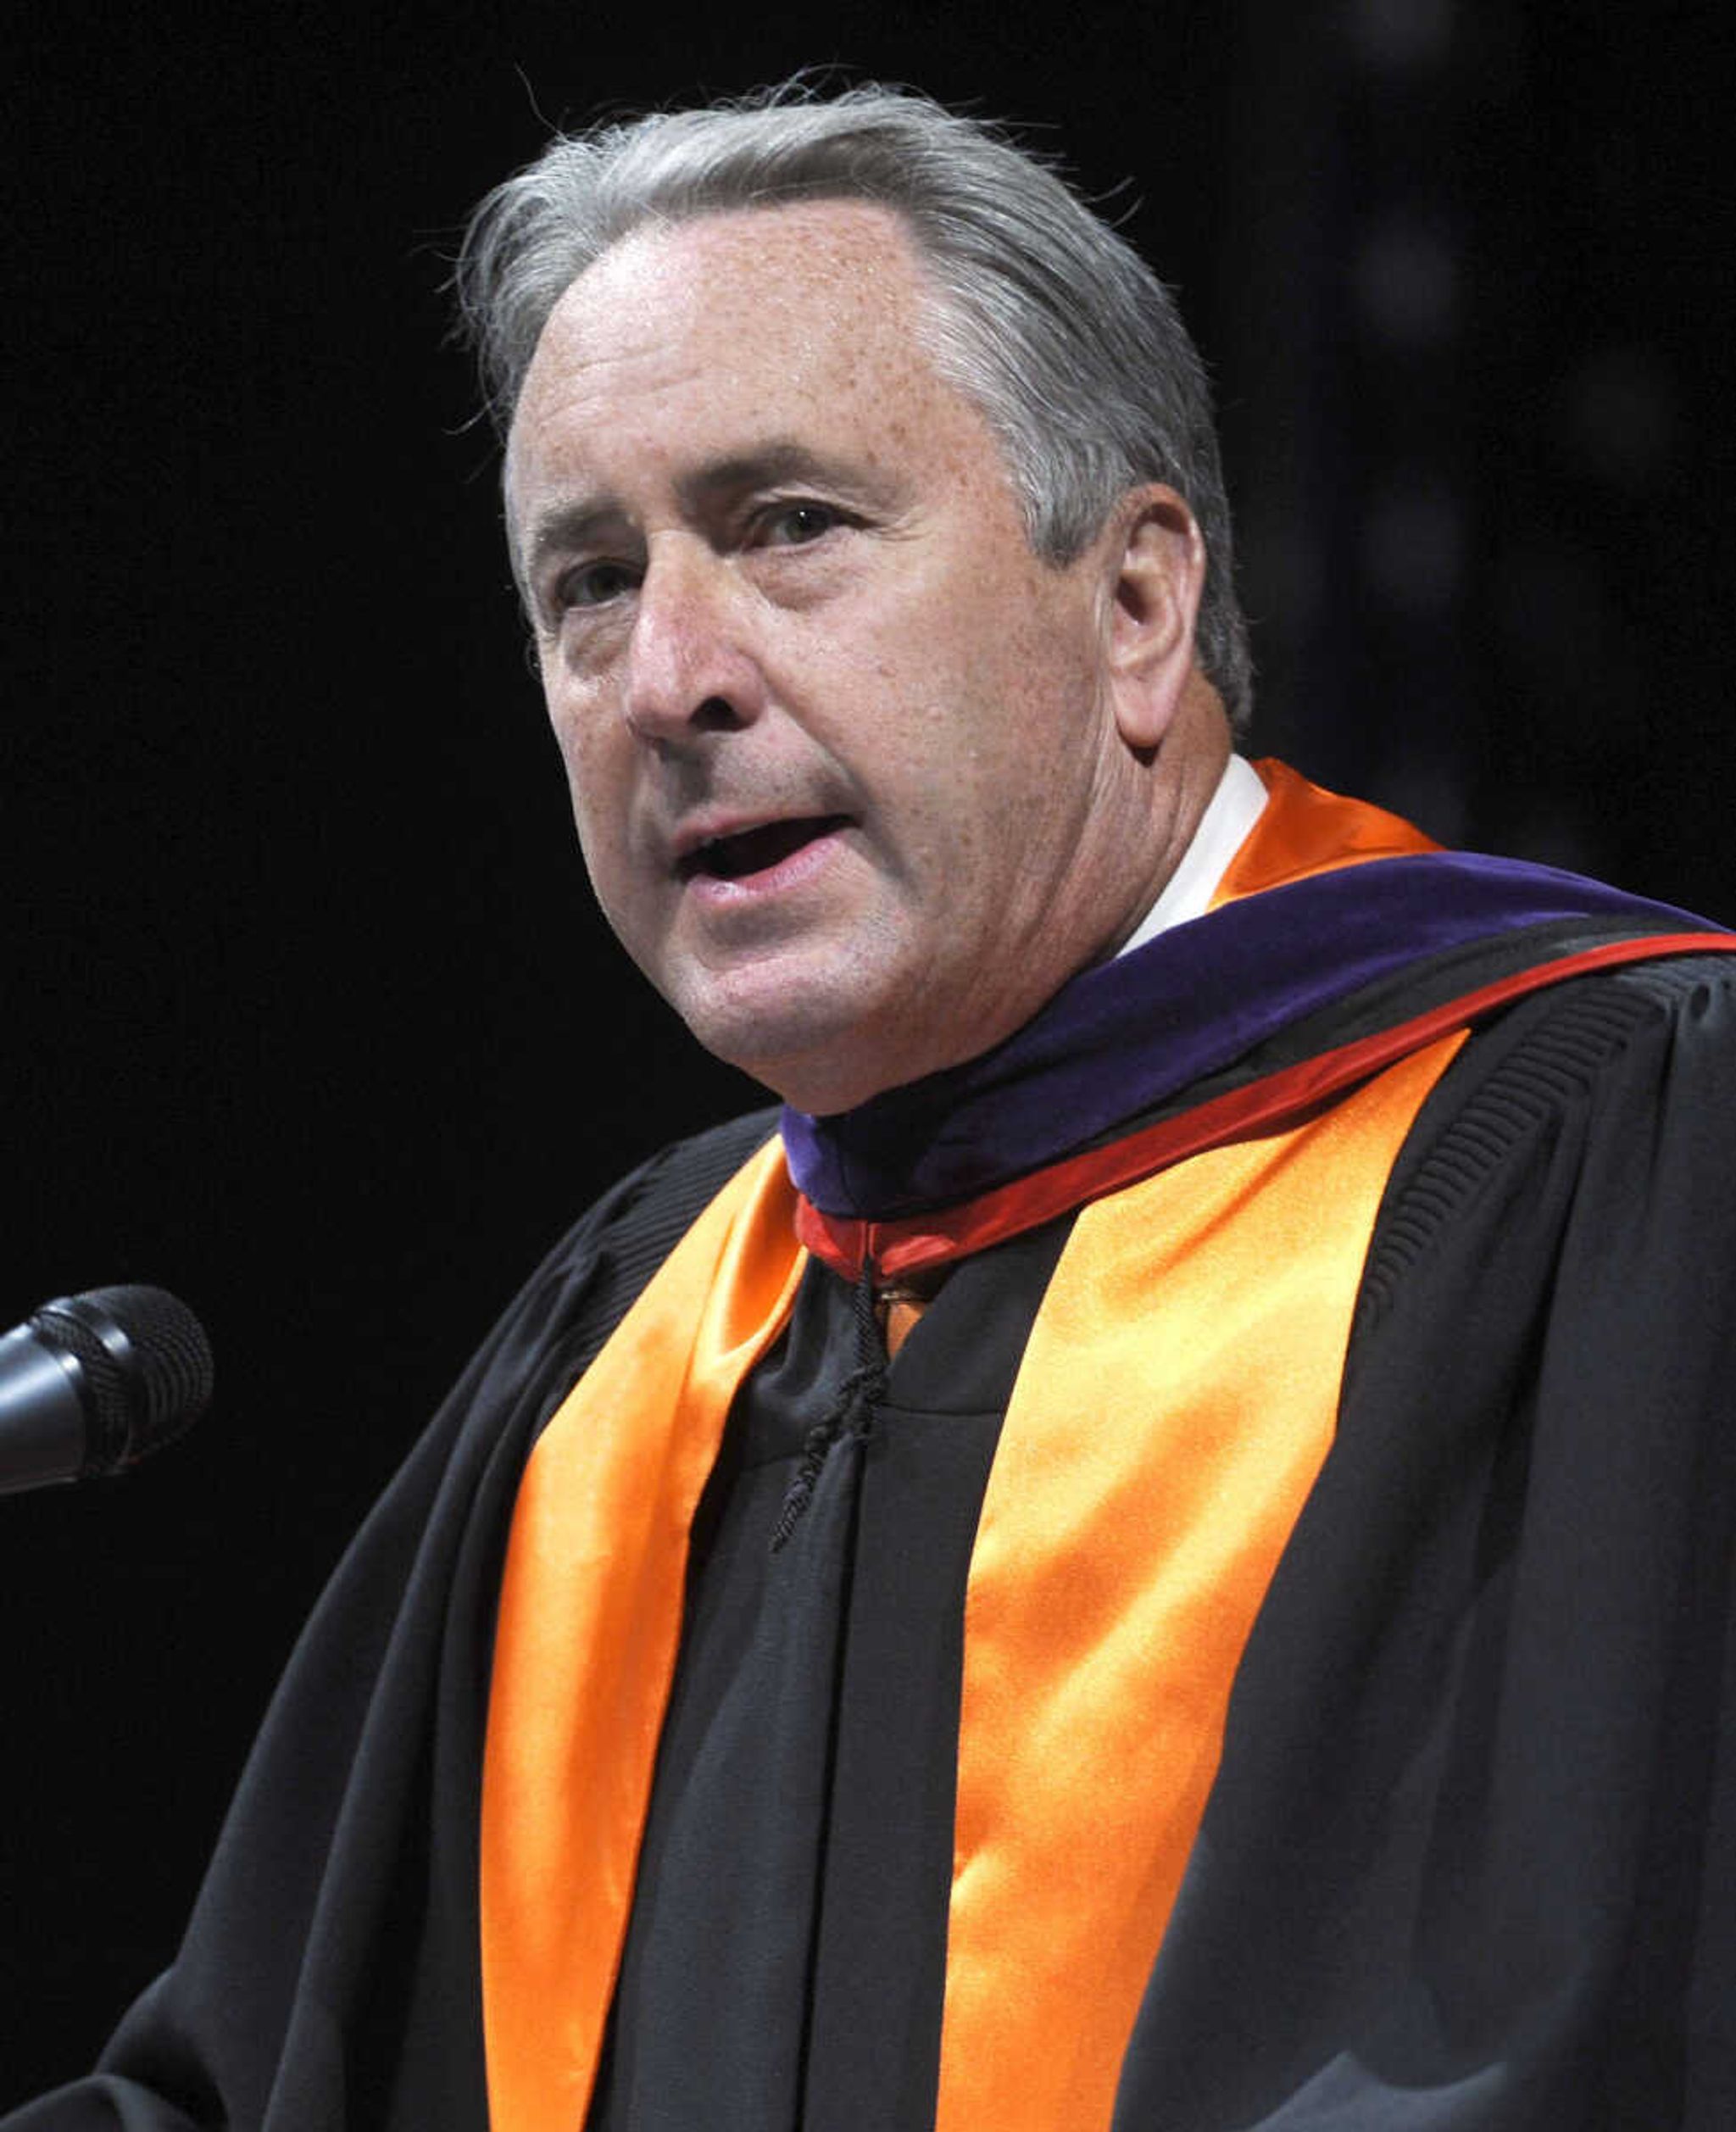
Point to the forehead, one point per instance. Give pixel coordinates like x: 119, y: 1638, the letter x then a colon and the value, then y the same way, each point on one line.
x: 807, y: 319
x: 847, y: 259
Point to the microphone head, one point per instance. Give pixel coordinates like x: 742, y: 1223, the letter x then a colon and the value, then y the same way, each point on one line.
x: 145, y: 1363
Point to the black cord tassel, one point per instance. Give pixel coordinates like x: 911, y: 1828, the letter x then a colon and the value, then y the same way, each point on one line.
x: 850, y: 1414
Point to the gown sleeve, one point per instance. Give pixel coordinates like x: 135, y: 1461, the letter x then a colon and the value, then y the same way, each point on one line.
x: 1471, y: 1859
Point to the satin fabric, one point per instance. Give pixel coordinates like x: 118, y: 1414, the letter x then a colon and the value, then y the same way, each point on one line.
x: 1175, y: 1403
x: 1121, y: 1559
x: 585, y: 1645
x: 1306, y: 830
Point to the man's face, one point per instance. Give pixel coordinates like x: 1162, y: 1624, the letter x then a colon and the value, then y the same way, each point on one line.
x: 837, y: 743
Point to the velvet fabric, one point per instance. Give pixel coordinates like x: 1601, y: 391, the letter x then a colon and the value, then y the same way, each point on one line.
x: 1135, y: 1032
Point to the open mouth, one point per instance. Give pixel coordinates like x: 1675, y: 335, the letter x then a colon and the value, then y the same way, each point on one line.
x: 756, y: 850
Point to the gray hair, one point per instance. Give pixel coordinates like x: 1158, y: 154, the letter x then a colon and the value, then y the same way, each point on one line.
x: 1050, y: 323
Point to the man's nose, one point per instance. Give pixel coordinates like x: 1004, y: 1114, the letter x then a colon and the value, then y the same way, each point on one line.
x: 689, y: 666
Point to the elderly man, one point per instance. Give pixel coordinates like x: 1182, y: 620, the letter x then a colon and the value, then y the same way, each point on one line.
x: 1157, y: 1552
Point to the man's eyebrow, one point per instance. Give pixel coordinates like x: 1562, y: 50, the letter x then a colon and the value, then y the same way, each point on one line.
x: 564, y: 527
x: 765, y: 466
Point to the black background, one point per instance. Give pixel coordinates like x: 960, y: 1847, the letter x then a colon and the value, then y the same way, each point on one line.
x: 308, y: 1015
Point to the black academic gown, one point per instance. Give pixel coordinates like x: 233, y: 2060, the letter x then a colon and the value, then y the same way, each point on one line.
x: 1469, y: 1861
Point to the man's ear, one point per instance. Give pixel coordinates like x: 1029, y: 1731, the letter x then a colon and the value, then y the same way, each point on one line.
x: 1159, y: 569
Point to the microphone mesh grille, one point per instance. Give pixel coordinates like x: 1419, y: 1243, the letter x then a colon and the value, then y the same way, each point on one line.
x: 147, y: 1362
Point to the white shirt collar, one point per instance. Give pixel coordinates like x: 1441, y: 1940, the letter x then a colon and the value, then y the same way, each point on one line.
x: 1233, y: 809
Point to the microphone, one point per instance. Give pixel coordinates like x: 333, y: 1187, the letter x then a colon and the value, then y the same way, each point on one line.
x: 91, y: 1383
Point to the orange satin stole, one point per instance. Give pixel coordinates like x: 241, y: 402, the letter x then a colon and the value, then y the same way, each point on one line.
x: 585, y: 1644
x: 1174, y: 1405
x: 1175, y: 1401
x: 1305, y: 830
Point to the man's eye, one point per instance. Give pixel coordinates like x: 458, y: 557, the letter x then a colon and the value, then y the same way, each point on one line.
x: 793, y: 525
x: 592, y: 585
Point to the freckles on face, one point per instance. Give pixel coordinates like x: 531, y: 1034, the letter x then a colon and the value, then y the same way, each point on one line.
x: 834, y: 734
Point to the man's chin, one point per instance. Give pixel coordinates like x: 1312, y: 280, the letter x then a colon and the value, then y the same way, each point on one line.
x: 825, y: 1048
x: 818, y: 1062
x: 821, y: 1080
